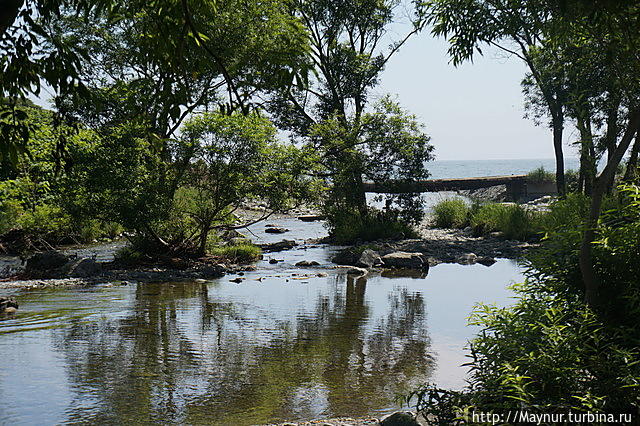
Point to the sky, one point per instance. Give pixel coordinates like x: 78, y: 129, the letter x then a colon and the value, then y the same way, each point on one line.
x: 472, y: 112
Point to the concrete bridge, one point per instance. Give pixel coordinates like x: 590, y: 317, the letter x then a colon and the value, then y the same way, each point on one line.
x: 517, y: 186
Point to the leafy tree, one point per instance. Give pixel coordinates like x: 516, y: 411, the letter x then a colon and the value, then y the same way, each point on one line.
x: 234, y: 159
x: 518, y: 28
x: 31, y: 55
x: 330, y: 112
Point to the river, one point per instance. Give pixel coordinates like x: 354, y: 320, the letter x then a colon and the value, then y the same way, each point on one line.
x: 287, y: 343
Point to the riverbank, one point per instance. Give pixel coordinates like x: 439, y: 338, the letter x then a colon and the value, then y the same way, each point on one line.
x: 435, y: 246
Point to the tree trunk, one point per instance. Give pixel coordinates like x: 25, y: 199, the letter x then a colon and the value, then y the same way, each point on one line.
x: 587, y: 156
x: 558, y: 128
x: 611, y: 134
x: 631, y: 174
x: 591, y: 283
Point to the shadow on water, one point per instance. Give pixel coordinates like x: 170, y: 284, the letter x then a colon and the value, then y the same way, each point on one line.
x: 186, y: 353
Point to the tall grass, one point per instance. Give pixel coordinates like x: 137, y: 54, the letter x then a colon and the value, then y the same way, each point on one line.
x: 240, y: 253
x: 451, y: 213
x: 540, y: 175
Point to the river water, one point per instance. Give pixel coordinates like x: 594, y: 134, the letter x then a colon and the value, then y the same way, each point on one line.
x: 287, y: 343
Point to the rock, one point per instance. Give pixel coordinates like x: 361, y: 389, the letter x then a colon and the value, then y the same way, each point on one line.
x: 279, y: 246
x: 352, y: 270
x: 406, y: 260
x: 369, y: 259
x: 304, y: 263
x: 212, y: 271
x: 83, y: 268
x: 276, y: 230
x: 8, y: 305
x: 273, y: 261
x: 400, y: 418
x: 486, y: 260
x: 310, y: 217
x: 237, y: 280
x: 45, y: 262
x: 467, y: 259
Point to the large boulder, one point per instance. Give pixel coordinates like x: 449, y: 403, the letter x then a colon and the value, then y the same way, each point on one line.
x: 369, y: 259
x: 83, y: 268
x: 46, y: 262
x: 404, y: 260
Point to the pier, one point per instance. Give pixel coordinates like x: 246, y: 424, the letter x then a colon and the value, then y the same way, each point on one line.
x: 517, y: 185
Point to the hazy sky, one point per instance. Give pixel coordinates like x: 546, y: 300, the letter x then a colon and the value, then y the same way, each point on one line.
x: 471, y: 112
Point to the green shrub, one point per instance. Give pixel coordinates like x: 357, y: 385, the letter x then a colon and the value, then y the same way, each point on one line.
x: 129, y: 256
x: 546, y: 354
x: 451, y: 213
x: 512, y: 220
x: 349, y: 227
x: 549, y: 352
x: 240, y: 253
x: 540, y: 175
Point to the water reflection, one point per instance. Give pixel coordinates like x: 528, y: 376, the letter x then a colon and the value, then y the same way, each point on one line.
x: 204, y: 353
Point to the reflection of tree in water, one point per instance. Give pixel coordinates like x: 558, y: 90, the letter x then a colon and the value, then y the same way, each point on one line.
x: 180, y: 356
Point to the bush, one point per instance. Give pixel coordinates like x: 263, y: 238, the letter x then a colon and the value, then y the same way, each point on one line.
x: 549, y: 353
x: 451, y: 213
x: 348, y: 227
x: 546, y: 354
x: 540, y: 175
x: 240, y: 253
x: 512, y: 220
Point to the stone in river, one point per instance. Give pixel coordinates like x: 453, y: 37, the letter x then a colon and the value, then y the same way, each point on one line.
x: 276, y: 230
x: 304, y: 263
x: 402, y: 259
x: 369, y: 259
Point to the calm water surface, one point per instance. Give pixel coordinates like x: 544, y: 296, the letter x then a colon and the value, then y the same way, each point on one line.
x: 285, y: 344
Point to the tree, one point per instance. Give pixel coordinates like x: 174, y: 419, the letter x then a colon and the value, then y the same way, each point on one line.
x: 32, y: 56
x: 518, y: 28
x: 328, y: 113
x: 233, y: 159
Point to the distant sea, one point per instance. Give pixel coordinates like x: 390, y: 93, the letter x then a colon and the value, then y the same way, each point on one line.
x: 447, y: 169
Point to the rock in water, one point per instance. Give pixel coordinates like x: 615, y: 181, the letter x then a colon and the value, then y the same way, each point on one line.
x: 467, y: 259
x: 307, y: 263
x: 369, y: 259
x: 400, y: 419
x: 8, y: 305
x: 406, y: 260
x: 276, y: 230
x: 84, y: 268
x: 45, y: 262
x: 352, y: 270
x: 310, y: 217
